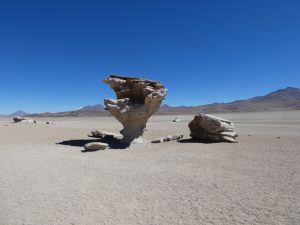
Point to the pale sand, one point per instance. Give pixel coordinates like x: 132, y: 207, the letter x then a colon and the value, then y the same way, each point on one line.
x: 256, y: 181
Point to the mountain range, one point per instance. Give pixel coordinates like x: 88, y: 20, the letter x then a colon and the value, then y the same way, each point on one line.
x: 17, y: 113
x: 95, y: 110
x: 280, y: 100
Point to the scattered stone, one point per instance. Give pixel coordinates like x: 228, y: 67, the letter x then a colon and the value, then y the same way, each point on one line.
x: 168, y: 138
x: 176, y: 119
x: 94, y: 146
x: 104, y: 134
x: 205, y: 126
x: 137, y: 100
x: 36, y: 122
x: 48, y: 123
x: 6, y: 125
x: 249, y: 135
x: 21, y: 119
x: 278, y: 137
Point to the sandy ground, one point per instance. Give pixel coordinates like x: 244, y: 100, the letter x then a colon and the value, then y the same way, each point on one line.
x: 45, y: 179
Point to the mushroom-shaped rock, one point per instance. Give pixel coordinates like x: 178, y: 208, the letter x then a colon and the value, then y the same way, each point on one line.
x: 137, y: 100
x: 205, y: 126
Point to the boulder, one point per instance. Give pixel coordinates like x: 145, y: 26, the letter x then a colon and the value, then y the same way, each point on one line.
x: 137, y: 100
x: 94, y: 146
x: 168, y: 138
x: 205, y: 126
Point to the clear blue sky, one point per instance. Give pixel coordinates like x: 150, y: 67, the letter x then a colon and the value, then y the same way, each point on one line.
x: 55, y: 54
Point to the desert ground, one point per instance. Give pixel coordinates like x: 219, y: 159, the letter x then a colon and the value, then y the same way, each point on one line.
x: 46, y: 179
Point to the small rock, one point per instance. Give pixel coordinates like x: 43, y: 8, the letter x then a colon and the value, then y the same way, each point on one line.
x: 176, y: 119
x: 35, y: 121
x: 48, y: 123
x: 278, y: 137
x: 168, y: 138
x: 94, y: 146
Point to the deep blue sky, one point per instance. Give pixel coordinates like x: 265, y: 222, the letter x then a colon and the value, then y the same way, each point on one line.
x: 55, y: 54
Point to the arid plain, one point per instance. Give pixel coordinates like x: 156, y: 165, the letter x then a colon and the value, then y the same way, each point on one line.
x: 45, y: 178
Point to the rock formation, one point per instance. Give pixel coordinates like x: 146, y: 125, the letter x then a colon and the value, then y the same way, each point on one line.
x: 205, y: 126
x: 137, y: 100
x: 21, y: 119
x: 104, y: 134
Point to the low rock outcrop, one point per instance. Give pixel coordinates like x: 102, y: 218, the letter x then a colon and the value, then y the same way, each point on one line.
x: 205, y: 126
x: 21, y: 119
x: 137, y: 100
x: 168, y: 138
x: 104, y: 134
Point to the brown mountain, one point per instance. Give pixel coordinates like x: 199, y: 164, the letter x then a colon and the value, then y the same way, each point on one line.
x: 17, y: 113
x: 77, y: 113
x: 98, y: 107
x: 283, y: 99
x: 90, y: 110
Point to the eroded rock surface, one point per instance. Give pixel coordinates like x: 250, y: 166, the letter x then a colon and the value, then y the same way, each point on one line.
x: 175, y: 137
x: 137, y: 100
x: 205, y: 126
x: 104, y: 134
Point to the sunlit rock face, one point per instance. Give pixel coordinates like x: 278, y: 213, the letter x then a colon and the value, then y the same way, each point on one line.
x: 137, y: 100
x: 205, y: 126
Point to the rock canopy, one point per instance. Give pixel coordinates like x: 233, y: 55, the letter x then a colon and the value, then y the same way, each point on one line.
x: 205, y: 126
x: 137, y: 100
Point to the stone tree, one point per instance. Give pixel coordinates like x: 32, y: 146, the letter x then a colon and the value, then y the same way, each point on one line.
x: 137, y: 100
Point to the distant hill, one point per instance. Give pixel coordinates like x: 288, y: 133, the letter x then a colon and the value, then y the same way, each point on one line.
x: 98, y: 107
x: 283, y: 99
x: 18, y: 113
x: 94, y: 110
x: 77, y: 113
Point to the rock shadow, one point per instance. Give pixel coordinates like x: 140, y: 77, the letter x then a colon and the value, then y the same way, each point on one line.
x: 202, y: 141
x: 112, y: 143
